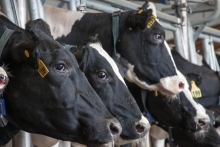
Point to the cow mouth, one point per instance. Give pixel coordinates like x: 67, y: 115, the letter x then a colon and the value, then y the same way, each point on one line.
x: 101, y: 145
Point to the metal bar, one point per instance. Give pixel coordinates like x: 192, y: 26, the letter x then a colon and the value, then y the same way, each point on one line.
x: 61, y: 4
x: 213, y: 16
x: 71, y: 5
x: 198, y: 31
x: 101, y: 7
x: 40, y: 9
x: 15, y: 12
x: 178, y: 37
x: 184, y: 15
x: 6, y: 8
x: 211, y: 31
x: 33, y: 9
x: 122, y: 4
x: 22, y: 11
x: 215, y: 39
x: 22, y: 139
x: 192, y: 48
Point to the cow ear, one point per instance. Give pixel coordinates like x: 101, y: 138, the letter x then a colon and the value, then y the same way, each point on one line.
x: 81, y: 56
x: 7, y: 133
x: 25, y: 51
x: 122, y: 65
x: 141, y: 19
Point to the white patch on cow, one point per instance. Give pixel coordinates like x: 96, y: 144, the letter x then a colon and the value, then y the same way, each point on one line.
x: 97, y: 46
x: 62, y: 26
x: 2, y: 83
x: 168, y: 86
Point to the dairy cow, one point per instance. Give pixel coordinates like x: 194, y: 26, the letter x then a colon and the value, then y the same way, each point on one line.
x: 140, y: 41
x: 48, y: 94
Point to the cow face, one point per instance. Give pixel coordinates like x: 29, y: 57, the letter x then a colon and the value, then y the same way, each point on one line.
x: 49, y: 95
x: 104, y: 76
x: 180, y: 112
x: 142, y: 43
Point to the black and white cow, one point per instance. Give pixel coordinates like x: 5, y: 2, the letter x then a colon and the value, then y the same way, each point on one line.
x: 48, y: 94
x: 141, y: 42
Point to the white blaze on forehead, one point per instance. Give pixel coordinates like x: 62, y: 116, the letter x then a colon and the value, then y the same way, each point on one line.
x: 97, y: 46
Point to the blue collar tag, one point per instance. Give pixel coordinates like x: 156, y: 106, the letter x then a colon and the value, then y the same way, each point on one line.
x: 3, y: 120
x: 2, y: 107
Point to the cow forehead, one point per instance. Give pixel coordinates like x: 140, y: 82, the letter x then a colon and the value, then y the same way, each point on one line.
x: 103, y: 53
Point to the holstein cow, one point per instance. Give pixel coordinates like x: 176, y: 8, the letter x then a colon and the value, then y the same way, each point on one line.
x: 179, y: 114
x: 140, y: 41
x: 103, y: 74
x: 48, y: 94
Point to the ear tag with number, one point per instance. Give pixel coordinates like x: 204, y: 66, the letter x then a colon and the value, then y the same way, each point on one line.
x: 155, y: 93
x: 140, y: 11
x: 151, y: 22
x: 42, y: 69
x: 196, y: 92
x: 3, y: 120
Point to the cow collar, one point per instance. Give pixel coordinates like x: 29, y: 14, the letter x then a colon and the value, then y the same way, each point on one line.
x: 4, y: 39
x: 115, y: 29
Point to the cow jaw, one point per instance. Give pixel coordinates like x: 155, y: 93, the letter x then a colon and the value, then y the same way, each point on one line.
x: 168, y: 86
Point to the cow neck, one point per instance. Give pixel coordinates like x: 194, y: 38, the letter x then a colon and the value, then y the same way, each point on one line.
x: 4, y: 39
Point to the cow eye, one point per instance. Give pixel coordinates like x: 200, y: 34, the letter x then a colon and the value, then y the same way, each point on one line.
x: 158, y: 37
x: 60, y: 67
x: 102, y: 75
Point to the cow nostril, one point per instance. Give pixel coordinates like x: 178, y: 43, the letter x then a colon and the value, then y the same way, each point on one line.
x: 142, y: 129
x: 181, y: 85
x: 204, y: 123
x: 115, y: 129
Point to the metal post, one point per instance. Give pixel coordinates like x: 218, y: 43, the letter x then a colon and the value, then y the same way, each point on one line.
x: 101, y: 7
x: 212, y: 17
x: 22, y: 139
x: 6, y: 8
x: 192, y: 48
x: 71, y: 5
x: 40, y: 9
x: 33, y: 9
x: 183, y: 11
x: 178, y: 37
x: 22, y: 11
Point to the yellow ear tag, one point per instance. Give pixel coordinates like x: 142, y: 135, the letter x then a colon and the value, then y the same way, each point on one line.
x: 155, y: 93
x: 151, y: 22
x: 26, y: 53
x: 42, y: 69
x: 140, y: 11
x: 196, y: 92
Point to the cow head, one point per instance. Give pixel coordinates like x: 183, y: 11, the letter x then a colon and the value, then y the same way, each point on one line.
x: 48, y: 94
x: 104, y: 76
x: 181, y: 112
x: 143, y: 44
